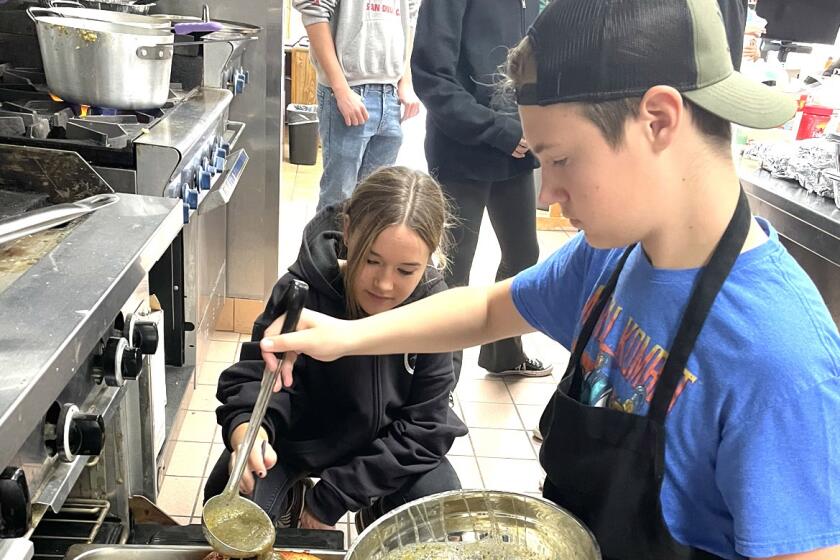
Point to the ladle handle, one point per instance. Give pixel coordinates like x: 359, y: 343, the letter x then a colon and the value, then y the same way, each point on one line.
x: 294, y: 299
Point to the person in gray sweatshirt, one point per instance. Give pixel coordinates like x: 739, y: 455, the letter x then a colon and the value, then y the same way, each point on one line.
x: 360, y: 49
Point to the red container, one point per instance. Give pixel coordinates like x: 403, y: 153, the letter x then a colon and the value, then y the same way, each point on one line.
x: 814, y: 120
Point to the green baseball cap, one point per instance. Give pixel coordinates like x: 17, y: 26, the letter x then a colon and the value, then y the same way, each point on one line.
x: 598, y: 50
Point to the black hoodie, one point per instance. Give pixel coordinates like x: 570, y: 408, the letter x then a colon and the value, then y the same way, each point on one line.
x: 459, y: 45
x: 364, y: 424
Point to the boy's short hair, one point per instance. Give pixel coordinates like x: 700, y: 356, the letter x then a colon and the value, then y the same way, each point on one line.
x: 610, y: 116
x: 596, y: 53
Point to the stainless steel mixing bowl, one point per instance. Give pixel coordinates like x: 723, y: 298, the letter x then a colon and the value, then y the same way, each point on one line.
x: 541, y: 526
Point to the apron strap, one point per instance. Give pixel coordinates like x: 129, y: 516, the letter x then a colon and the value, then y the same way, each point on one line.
x: 586, y: 331
x: 709, y: 281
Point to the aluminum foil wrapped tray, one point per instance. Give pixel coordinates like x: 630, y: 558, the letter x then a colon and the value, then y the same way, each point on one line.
x: 804, y: 162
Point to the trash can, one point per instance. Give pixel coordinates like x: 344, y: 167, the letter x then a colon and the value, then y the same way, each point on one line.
x: 303, y: 133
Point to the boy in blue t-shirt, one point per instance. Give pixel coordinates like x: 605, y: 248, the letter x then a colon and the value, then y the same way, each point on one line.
x: 699, y: 416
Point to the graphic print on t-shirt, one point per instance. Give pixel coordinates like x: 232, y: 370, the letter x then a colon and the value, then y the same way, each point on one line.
x: 622, y: 363
x: 381, y: 9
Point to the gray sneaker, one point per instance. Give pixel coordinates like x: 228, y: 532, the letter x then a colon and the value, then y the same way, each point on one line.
x: 531, y: 367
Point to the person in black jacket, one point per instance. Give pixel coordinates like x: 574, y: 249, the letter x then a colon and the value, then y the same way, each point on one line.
x: 474, y: 144
x: 374, y: 429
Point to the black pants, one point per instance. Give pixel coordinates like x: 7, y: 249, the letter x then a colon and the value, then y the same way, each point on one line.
x: 511, y: 205
x: 271, y: 491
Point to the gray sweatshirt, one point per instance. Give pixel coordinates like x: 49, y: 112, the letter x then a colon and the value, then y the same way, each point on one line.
x: 370, y: 36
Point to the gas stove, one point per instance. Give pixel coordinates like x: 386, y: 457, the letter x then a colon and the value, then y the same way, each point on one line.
x: 30, y: 115
x: 82, y: 358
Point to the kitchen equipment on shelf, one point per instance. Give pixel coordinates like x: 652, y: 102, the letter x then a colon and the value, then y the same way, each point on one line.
x: 46, y: 218
x: 477, y: 519
x: 235, y: 526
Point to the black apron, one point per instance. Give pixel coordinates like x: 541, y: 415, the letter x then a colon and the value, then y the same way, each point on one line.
x: 606, y: 466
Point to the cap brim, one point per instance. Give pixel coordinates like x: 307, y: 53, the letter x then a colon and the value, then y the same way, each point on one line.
x: 744, y: 101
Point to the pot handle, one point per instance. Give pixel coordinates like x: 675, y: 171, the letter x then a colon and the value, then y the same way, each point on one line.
x: 196, y: 27
x: 36, y: 11
x: 162, y: 51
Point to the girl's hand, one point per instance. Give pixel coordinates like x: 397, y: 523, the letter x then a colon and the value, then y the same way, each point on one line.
x: 319, y: 336
x: 309, y: 521
x: 262, y: 457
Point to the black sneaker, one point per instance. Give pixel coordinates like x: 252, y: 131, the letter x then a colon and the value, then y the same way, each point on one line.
x: 531, y: 367
x: 296, y: 498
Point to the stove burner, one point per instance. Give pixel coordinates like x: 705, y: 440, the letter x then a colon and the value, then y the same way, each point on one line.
x: 28, y: 111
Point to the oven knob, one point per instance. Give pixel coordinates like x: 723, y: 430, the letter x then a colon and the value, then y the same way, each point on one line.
x: 142, y: 334
x: 15, y: 508
x: 226, y: 147
x: 119, y: 362
x: 204, y: 180
x: 205, y: 165
x: 247, y: 75
x: 186, y: 208
x: 108, y: 365
x: 132, y: 363
x: 219, y: 162
x: 190, y: 196
x: 239, y: 84
x: 78, y: 434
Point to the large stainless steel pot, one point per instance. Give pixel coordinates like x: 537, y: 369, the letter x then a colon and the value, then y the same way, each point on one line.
x: 105, y: 64
x: 539, y: 525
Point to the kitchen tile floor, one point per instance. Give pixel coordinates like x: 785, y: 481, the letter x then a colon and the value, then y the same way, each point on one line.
x: 498, y: 453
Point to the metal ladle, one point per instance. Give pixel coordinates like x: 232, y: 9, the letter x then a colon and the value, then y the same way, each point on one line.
x: 232, y: 524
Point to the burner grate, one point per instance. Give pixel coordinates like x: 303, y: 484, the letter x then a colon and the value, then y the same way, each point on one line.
x: 78, y: 522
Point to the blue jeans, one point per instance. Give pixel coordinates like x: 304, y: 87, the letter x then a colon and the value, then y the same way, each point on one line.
x: 351, y: 153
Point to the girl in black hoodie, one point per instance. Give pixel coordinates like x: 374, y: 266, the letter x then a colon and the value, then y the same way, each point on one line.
x: 375, y: 429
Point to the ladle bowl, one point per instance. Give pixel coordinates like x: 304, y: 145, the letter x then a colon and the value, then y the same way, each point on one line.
x: 221, y: 510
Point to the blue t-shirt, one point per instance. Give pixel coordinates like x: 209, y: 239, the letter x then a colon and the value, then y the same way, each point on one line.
x: 752, y: 452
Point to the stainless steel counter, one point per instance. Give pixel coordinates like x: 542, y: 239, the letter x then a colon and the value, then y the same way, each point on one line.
x: 804, y: 217
x: 52, y: 316
x: 808, y: 225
